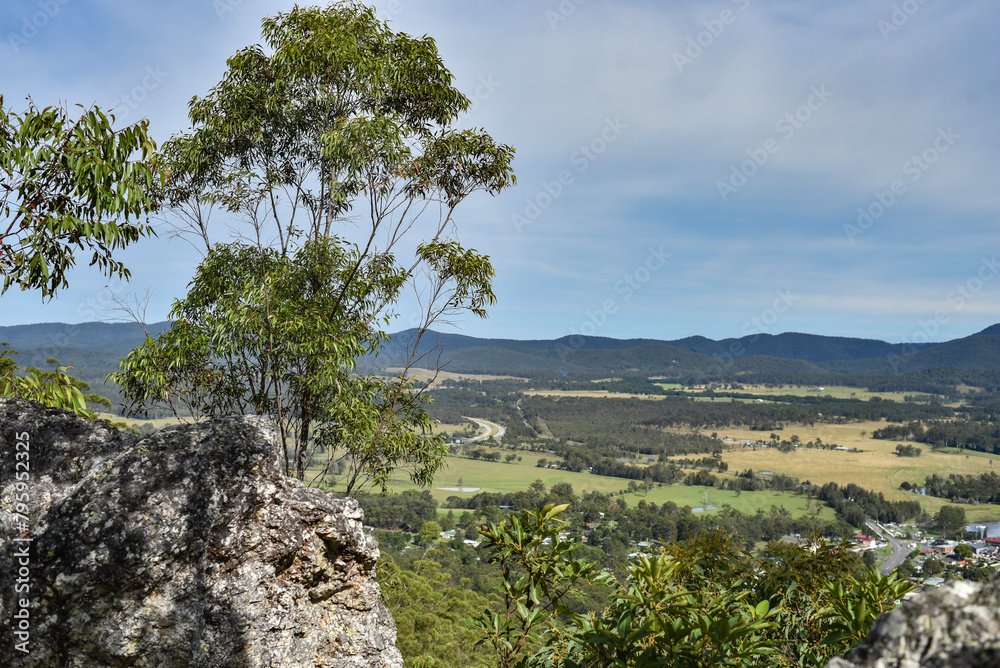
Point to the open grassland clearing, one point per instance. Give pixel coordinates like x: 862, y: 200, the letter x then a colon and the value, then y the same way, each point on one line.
x: 600, y: 394
x: 877, y: 467
x: 833, y: 392
x: 747, y: 502
x: 739, y: 400
x: 668, y: 386
x: 423, y: 375
x: 451, y: 429
x: 502, y: 477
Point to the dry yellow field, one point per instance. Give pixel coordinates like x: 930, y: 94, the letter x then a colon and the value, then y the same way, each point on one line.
x: 877, y: 467
x: 422, y: 375
x: 443, y: 428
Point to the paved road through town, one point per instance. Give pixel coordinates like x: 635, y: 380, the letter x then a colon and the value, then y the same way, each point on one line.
x: 899, y: 548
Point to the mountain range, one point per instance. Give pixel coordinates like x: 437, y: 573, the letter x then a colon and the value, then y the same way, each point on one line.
x: 759, y: 353
x: 94, y: 350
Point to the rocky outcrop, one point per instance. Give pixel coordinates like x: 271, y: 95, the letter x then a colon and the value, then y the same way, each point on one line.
x: 186, y: 548
x: 955, y: 626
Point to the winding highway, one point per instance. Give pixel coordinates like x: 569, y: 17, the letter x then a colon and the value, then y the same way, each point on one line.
x: 489, y: 429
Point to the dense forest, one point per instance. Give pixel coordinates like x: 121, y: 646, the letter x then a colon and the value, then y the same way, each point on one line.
x: 984, y: 488
x: 980, y: 435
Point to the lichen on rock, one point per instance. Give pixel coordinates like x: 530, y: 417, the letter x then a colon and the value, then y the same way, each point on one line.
x: 954, y: 626
x: 186, y: 548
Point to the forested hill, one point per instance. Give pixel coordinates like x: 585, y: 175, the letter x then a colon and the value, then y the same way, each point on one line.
x: 761, y: 353
x: 806, y: 347
x: 94, y: 349
x: 117, y: 338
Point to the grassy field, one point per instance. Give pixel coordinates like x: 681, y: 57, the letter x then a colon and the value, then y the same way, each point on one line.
x: 444, y: 428
x: 428, y: 374
x: 502, y: 477
x: 877, y: 467
x: 834, y: 392
x: 746, y: 502
x: 737, y: 400
x: 592, y: 393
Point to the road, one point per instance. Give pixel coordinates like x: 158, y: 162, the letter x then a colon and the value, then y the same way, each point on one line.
x: 489, y: 429
x: 899, y: 548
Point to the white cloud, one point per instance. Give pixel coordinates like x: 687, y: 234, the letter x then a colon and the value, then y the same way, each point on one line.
x: 552, y: 91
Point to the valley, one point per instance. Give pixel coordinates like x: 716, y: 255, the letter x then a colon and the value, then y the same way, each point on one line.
x: 617, y: 401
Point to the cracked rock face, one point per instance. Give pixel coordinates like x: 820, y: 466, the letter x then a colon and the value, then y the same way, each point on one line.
x: 954, y: 626
x: 186, y: 548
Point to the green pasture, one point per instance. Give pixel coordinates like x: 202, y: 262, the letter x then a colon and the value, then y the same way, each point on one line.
x: 593, y: 394
x: 739, y: 400
x: 503, y: 477
x: 833, y: 392
x: 746, y: 502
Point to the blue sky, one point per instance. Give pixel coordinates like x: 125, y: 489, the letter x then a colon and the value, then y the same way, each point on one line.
x: 716, y: 168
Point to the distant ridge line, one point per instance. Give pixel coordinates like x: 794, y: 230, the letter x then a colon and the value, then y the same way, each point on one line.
x: 789, y: 352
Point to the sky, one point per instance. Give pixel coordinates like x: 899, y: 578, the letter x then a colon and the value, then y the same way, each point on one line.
x: 716, y: 168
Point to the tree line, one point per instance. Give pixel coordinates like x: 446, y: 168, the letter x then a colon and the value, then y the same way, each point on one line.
x: 959, y: 488
x: 968, y: 434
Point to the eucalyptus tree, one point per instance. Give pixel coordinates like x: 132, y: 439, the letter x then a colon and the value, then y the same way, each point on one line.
x: 67, y: 184
x: 333, y: 153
